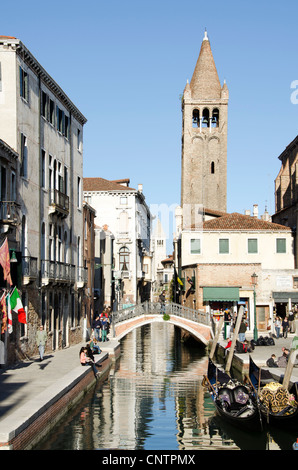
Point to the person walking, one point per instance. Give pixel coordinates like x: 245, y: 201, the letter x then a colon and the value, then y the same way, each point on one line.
x: 285, y: 327
x: 41, y: 339
x: 104, y: 321
x: 242, y: 330
x: 291, y: 322
x: 162, y: 299
x: 96, y: 325
x: 277, y: 326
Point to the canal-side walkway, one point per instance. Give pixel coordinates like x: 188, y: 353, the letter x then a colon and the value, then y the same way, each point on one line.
x: 35, y: 394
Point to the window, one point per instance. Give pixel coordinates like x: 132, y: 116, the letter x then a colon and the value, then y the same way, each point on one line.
x: 195, y: 246
x: 212, y: 169
x: 224, y: 245
x: 79, y: 192
x: 79, y: 139
x: 24, y: 155
x: 24, y: 84
x: 295, y: 282
x: 43, y: 168
x: 124, y: 259
x: 252, y: 245
x: 280, y: 245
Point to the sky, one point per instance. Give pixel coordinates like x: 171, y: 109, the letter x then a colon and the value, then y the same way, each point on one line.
x: 125, y: 63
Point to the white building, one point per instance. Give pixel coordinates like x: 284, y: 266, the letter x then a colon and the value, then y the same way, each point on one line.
x: 41, y: 123
x: 221, y: 258
x: 124, y: 210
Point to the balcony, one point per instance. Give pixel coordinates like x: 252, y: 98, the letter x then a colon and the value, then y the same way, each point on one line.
x: 59, y: 203
x: 9, y: 213
x: 29, y: 269
x: 57, y: 272
x: 82, y: 276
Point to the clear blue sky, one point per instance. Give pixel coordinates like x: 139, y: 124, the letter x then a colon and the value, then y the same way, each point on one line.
x: 125, y: 63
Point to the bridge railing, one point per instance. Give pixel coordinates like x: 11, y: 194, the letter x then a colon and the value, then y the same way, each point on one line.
x: 156, y: 308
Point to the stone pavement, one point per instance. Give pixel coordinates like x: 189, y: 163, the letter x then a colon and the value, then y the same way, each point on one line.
x: 262, y: 353
x: 27, y: 388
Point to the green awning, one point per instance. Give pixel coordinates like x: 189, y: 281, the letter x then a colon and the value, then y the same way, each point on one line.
x: 230, y: 294
x: 285, y: 296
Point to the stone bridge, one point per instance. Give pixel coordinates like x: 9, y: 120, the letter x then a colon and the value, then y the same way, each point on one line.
x: 196, y: 322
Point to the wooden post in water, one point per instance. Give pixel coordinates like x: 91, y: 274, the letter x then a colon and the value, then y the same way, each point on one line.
x: 289, y: 369
x: 235, y: 336
x: 215, y: 339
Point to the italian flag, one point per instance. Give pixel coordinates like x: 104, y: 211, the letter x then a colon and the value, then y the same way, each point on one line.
x: 17, y: 306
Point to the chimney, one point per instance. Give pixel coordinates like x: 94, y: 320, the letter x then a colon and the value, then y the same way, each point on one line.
x: 140, y: 188
x: 256, y: 210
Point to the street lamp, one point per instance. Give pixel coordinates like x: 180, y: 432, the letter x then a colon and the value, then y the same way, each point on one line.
x: 254, y: 281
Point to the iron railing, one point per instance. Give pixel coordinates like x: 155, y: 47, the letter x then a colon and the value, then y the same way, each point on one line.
x: 171, y: 308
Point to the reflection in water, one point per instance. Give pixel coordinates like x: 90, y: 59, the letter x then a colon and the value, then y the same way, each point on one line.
x: 153, y: 400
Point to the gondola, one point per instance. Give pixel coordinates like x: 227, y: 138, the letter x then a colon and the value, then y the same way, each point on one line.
x: 277, y: 405
x: 234, y: 401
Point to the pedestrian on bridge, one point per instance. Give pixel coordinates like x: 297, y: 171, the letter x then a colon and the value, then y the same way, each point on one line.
x: 162, y: 299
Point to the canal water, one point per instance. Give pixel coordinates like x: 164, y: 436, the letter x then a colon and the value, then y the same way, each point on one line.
x: 154, y: 400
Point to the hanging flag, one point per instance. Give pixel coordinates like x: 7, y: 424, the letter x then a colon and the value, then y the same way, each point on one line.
x: 17, y: 306
x: 5, y: 261
x: 9, y: 315
x: 3, y: 314
x: 179, y: 280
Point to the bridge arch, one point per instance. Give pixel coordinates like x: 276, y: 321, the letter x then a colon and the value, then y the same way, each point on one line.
x: 199, y: 331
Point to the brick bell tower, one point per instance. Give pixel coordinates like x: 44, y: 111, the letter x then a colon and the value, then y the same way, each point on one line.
x: 204, y: 139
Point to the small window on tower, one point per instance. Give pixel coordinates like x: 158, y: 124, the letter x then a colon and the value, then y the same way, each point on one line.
x: 212, y: 168
x: 205, y: 118
x: 196, y: 118
x: 215, y: 118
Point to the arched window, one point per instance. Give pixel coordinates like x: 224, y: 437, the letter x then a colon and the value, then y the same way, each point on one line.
x: 212, y: 168
x: 215, y: 118
x: 124, y: 259
x: 196, y: 118
x: 205, y: 117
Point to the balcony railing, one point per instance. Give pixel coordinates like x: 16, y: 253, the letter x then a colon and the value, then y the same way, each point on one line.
x: 57, y: 271
x: 59, y: 202
x: 8, y: 212
x: 29, y: 269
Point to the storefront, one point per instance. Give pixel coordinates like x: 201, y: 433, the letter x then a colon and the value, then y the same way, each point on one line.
x: 217, y: 299
x: 284, y: 302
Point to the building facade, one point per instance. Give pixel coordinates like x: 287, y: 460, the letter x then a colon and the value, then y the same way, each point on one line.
x: 42, y: 125
x: 220, y: 260
x: 124, y: 210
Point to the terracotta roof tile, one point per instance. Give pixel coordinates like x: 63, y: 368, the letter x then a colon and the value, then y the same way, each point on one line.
x: 101, y: 184
x: 237, y: 221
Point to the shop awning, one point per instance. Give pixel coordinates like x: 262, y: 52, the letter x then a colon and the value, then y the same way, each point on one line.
x: 230, y: 294
x: 285, y: 296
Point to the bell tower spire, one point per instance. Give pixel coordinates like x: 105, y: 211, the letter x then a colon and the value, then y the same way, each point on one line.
x: 204, y: 137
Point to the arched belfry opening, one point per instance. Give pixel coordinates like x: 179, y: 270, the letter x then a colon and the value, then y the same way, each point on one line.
x: 205, y: 117
x: 196, y: 118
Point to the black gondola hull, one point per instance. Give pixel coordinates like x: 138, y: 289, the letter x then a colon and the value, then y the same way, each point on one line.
x: 247, y: 416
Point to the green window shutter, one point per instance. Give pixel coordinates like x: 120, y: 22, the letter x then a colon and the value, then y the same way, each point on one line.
x: 252, y: 245
x: 224, y: 245
x: 195, y: 246
x: 280, y: 245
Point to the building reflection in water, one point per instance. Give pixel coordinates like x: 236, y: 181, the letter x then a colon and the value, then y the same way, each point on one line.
x: 152, y: 400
